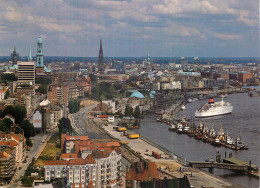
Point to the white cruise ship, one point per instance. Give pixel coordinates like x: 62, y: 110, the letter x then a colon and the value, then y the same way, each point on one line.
x: 214, y: 108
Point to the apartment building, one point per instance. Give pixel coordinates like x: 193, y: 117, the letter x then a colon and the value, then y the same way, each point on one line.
x: 79, y: 172
x: 7, y: 162
x: 98, y: 160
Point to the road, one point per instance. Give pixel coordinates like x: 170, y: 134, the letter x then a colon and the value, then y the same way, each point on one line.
x: 36, y: 140
x: 83, y: 124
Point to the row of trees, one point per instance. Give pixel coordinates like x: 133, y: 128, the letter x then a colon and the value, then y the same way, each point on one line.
x: 130, y: 112
x: 74, y: 106
x: 8, y: 77
x: 64, y: 126
x: 19, y: 113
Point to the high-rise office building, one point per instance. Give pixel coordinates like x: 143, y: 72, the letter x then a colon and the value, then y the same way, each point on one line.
x: 26, y: 72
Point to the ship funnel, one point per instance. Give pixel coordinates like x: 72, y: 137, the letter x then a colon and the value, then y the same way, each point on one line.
x: 211, y: 100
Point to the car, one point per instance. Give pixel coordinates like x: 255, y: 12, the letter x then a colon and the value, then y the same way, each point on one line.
x: 24, y: 161
x: 20, y: 168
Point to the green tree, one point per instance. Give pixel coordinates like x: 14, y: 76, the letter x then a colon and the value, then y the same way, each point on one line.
x: 64, y: 126
x: 8, y: 122
x: 128, y: 110
x: 3, y: 127
x: 9, y: 77
x: 28, y: 128
x: 42, y: 89
x: 6, y: 94
x: 18, y: 112
x: 9, y: 110
x: 74, y: 106
x: 137, y: 112
x: 29, y: 143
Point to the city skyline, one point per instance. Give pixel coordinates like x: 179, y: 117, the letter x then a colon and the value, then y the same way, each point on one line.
x: 131, y: 28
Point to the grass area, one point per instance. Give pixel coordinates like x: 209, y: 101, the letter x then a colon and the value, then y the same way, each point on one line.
x: 50, y: 152
x: 27, y: 179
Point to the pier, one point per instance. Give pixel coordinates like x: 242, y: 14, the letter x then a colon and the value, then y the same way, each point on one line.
x: 230, y: 164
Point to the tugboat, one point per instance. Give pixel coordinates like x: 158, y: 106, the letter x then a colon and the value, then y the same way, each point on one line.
x: 173, y: 127
x: 212, y: 133
x: 179, y: 128
x: 240, y: 144
x: 186, y: 129
x: 205, y: 139
x: 216, y: 142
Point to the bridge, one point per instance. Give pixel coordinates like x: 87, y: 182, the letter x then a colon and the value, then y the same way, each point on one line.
x: 211, y: 165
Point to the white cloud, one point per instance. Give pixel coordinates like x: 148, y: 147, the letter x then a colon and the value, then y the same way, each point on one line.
x: 227, y: 36
x: 12, y: 15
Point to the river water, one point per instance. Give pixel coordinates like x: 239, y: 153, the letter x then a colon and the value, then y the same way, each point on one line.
x: 245, y: 119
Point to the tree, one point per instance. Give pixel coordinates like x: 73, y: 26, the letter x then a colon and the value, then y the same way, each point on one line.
x: 28, y: 128
x: 8, y: 122
x: 42, y: 89
x: 6, y: 94
x: 137, y: 112
x: 74, y: 106
x: 9, y: 77
x: 29, y: 143
x: 9, y: 110
x: 3, y: 127
x: 18, y: 112
x: 64, y: 126
x: 128, y: 110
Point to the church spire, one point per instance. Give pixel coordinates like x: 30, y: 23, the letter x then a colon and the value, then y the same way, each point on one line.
x: 30, y: 55
x: 100, y: 58
x: 39, y: 55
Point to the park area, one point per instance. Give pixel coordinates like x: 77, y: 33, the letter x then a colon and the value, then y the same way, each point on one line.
x: 52, y: 151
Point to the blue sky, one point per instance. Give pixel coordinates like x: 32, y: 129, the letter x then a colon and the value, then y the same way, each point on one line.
x: 174, y: 28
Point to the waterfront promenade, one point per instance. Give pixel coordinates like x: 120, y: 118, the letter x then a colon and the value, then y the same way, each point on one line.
x: 166, y: 163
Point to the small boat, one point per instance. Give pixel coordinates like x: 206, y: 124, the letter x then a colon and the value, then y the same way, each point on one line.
x: 198, y: 135
x: 229, y: 140
x: 158, y: 119
x: 172, y: 128
x: 179, y: 128
x: 186, y: 129
x: 216, y: 142
x: 240, y: 144
x: 205, y: 139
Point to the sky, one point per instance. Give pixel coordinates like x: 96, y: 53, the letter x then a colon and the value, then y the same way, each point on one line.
x: 164, y: 28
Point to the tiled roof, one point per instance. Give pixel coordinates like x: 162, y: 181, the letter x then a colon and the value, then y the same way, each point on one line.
x: 68, y: 155
x: 52, y: 163
x: 77, y: 138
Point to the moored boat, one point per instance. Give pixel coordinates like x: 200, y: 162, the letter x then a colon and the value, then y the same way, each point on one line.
x: 213, y: 108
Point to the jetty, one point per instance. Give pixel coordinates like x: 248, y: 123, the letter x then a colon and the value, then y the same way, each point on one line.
x: 230, y: 164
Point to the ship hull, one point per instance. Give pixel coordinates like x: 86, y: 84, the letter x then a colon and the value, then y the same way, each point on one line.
x: 216, y: 111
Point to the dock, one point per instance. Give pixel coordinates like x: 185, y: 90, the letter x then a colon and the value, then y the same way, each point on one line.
x: 230, y: 164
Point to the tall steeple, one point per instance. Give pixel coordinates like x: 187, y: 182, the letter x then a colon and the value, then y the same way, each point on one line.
x: 14, y: 56
x: 39, y: 54
x: 30, y: 55
x: 100, y: 58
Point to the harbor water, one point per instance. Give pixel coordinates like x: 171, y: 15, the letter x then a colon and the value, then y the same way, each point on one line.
x: 244, y: 121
